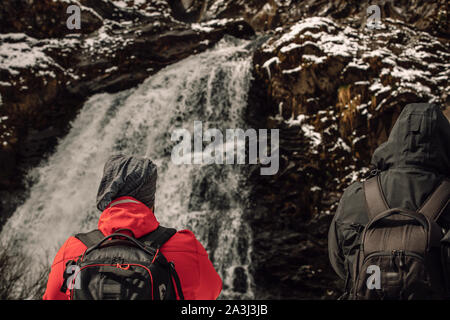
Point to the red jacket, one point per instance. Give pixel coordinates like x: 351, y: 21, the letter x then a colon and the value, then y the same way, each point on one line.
x: 199, y: 279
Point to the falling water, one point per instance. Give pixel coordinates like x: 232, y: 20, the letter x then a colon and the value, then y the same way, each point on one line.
x: 208, y: 199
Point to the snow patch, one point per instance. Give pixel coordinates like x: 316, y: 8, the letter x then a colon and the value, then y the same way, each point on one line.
x: 267, y: 64
x: 314, y: 59
x: 15, y: 56
x: 297, y: 121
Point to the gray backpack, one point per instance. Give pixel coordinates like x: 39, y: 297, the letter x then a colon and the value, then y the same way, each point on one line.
x: 401, y: 256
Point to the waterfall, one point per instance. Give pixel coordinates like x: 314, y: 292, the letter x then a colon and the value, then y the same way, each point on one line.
x: 210, y: 87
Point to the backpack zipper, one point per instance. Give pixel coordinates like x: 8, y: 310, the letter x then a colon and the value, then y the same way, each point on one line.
x: 394, y: 253
x: 401, y: 255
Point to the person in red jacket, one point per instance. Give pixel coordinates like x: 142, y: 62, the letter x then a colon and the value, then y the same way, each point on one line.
x: 126, y: 198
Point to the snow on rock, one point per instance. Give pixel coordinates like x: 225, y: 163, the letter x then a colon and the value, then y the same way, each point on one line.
x: 19, y: 51
x: 313, y: 136
x: 341, y: 87
x: 269, y: 62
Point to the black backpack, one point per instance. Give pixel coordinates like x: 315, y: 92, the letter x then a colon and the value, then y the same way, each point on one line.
x: 121, y: 267
x: 400, y: 256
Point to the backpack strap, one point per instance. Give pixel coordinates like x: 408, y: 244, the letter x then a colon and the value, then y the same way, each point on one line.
x: 90, y: 238
x: 375, y: 200
x: 155, y: 240
x: 174, y: 274
x: 436, y: 203
x: 158, y: 237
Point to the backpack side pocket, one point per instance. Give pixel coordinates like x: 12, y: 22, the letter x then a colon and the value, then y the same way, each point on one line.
x: 350, y: 244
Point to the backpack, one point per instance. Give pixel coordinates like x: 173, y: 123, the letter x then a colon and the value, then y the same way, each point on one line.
x: 400, y: 256
x: 121, y: 267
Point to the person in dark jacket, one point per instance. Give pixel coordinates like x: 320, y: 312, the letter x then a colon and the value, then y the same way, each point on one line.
x: 412, y: 163
x: 126, y: 197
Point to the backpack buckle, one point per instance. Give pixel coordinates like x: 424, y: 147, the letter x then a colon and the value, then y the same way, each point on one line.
x: 123, y: 266
x: 372, y: 173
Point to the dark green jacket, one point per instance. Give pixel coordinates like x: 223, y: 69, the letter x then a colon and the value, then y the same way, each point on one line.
x: 412, y: 162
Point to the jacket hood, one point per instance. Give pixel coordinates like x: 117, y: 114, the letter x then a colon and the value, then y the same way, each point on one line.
x: 419, y: 138
x: 127, y: 176
x: 127, y: 213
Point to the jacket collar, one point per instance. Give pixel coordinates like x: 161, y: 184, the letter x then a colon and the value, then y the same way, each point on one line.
x: 127, y: 213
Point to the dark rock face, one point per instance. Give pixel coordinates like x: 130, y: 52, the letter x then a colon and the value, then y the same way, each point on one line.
x: 43, y: 18
x: 430, y: 16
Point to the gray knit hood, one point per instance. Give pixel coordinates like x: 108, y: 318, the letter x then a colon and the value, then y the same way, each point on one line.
x: 127, y: 176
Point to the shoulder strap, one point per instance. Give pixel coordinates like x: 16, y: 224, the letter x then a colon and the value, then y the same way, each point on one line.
x: 375, y: 200
x: 437, y: 201
x: 158, y: 237
x: 177, y: 280
x: 90, y: 238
